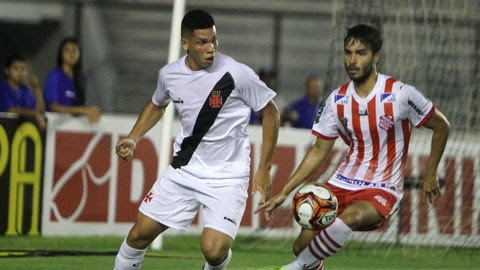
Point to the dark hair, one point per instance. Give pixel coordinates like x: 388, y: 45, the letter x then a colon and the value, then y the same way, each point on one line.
x: 196, y: 19
x: 77, y: 70
x: 12, y: 58
x: 366, y: 35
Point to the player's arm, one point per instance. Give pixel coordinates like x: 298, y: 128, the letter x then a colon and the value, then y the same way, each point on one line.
x: 441, y: 128
x: 270, y: 126
x: 312, y: 160
x: 91, y: 112
x: 150, y: 115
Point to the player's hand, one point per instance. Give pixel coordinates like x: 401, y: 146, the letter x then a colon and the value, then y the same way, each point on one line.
x: 125, y: 148
x: 271, y: 204
x: 263, y: 184
x: 431, y: 188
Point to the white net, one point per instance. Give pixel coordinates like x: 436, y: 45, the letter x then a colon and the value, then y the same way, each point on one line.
x: 433, y: 45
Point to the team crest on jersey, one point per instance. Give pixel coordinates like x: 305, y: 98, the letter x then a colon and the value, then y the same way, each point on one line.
x: 215, y: 100
x: 341, y: 99
x: 386, y: 122
x: 387, y: 97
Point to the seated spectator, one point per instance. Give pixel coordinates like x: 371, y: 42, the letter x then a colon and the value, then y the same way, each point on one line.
x: 65, y: 85
x: 15, y: 96
x: 301, y: 113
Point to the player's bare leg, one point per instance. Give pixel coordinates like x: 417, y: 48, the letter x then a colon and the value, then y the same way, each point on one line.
x: 302, y: 241
x: 216, y: 249
x: 361, y: 215
x: 133, y: 249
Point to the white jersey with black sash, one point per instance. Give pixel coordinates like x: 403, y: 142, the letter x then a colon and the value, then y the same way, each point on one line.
x: 214, y: 108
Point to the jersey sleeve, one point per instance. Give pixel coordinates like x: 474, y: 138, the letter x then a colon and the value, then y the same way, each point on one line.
x: 161, y: 97
x: 415, y: 106
x: 325, y: 124
x: 252, y: 90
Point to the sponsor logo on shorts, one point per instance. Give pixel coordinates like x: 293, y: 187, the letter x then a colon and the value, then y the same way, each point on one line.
x: 381, y: 200
x: 148, y: 198
x: 358, y: 182
x: 232, y: 220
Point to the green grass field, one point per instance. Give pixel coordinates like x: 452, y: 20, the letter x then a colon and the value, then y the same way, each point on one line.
x: 183, y: 252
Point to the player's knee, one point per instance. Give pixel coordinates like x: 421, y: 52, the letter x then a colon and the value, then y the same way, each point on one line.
x: 352, y: 220
x: 138, y: 239
x: 215, y: 254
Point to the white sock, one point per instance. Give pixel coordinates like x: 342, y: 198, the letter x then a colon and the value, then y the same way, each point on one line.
x: 325, y: 244
x: 221, y: 266
x: 129, y: 258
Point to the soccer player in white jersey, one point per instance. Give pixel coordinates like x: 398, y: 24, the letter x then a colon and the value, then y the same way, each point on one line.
x: 373, y: 114
x: 213, y: 95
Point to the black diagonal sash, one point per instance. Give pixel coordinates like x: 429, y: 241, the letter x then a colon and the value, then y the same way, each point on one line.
x: 205, y: 119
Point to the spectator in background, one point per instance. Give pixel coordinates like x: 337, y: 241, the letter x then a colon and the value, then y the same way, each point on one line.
x: 65, y: 85
x: 301, y: 113
x: 16, y: 97
x: 269, y: 78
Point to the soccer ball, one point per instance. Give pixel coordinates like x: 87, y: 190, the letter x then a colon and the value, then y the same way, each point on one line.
x: 314, y: 206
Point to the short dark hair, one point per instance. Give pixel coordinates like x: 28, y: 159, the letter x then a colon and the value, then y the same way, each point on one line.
x: 196, y: 19
x: 365, y: 34
x: 14, y: 57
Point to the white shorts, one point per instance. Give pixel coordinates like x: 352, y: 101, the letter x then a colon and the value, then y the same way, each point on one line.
x: 175, y: 199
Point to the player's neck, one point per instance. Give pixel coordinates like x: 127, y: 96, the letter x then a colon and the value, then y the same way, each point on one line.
x: 364, y: 88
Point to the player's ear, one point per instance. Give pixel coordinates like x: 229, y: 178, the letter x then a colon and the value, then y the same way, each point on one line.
x: 184, y: 44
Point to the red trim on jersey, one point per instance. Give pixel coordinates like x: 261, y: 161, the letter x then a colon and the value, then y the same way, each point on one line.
x: 357, y: 129
x: 391, y: 151
x: 341, y: 115
x: 425, y: 119
x: 318, y: 134
x: 406, y: 141
x: 372, y: 124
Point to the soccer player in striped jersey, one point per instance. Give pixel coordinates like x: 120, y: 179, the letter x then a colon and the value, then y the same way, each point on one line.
x: 213, y: 95
x: 373, y: 114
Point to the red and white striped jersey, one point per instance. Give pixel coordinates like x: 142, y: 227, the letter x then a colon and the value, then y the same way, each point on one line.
x: 377, y: 129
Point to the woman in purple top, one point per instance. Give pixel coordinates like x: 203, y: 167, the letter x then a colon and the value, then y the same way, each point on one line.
x: 16, y: 97
x: 64, y: 86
